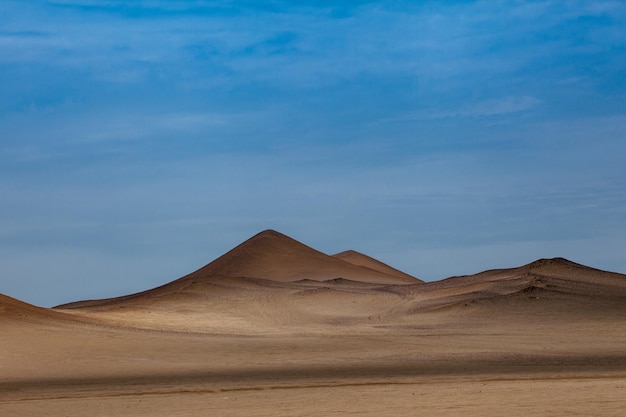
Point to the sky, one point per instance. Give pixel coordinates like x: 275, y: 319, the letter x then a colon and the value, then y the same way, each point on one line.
x: 139, y: 140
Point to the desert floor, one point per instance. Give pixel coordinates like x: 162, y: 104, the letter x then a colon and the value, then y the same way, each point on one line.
x: 450, y: 367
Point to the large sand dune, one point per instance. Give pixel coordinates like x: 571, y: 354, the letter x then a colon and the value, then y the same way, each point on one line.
x: 274, y: 256
x: 274, y: 327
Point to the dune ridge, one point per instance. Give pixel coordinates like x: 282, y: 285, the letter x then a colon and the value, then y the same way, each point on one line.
x: 14, y: 311
x: 272, y: 282
x: 270, y: 256
x: 275, y: 256
x: 365, y: 261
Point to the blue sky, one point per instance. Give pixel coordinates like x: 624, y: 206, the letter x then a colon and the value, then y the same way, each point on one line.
x: 142, y: 139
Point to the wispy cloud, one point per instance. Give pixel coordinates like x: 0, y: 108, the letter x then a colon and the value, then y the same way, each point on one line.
x: 487, y: 108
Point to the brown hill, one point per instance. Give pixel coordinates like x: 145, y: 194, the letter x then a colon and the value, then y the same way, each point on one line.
x: 359, y: 259
x: 206, y: 302
x: 547, y: 283
x: 272, y: 283
x: 546, y: 268
x: 266, y: 260
x: 13, y: 310
x: 274, y: 256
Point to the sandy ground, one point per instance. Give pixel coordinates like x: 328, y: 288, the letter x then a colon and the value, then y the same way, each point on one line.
x: 512, y: 369
x: 576, y: 396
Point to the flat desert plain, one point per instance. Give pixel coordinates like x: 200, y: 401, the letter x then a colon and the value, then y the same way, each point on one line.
x: 276, y: 328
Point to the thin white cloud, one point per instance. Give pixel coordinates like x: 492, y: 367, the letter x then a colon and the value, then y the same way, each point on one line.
x: 487, y: 108
x: 494, y: 107
x: 499, y: 106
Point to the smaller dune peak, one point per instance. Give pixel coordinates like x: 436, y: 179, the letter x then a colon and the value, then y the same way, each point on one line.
x: 365, y: 261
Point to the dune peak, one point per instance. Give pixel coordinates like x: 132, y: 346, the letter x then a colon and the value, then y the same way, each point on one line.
x: 275, y: 256
x: 552, y: 262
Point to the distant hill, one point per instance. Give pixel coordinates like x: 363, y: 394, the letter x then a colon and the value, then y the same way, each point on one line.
x: 272, y: 282
x: 273, y: 256
x: 359, y: 259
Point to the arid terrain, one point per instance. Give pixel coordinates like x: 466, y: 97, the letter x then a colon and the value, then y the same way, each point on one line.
x: 276, y: 328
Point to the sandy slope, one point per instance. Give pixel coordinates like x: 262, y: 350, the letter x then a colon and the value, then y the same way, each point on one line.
x: 245, y: 336
x: 16, y: 312
x: 365, y: 261
x: 236, y: 305
x: 272, y: 255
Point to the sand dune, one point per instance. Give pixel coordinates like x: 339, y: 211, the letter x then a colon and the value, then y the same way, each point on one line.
x: 543, y: 291
x: 272, y: 284
x: 18, y: 312
x: 365, y: 261
x: 13, y: 309
x: 274, y: 327
x: 270, y: 256
x: 274, y: 256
